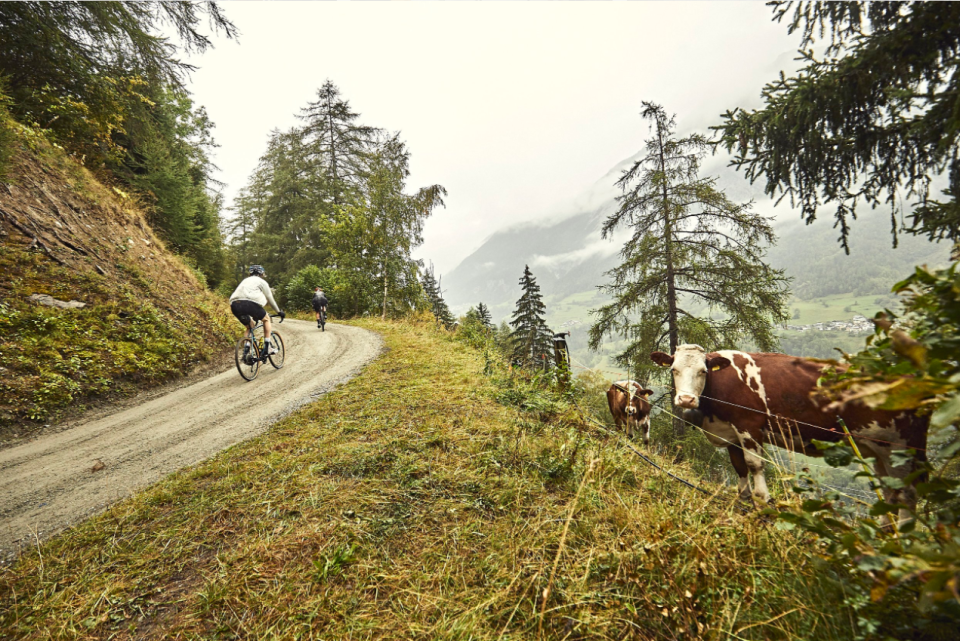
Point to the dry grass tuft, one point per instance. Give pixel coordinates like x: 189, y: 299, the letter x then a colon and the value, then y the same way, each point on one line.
x: 411, y: 504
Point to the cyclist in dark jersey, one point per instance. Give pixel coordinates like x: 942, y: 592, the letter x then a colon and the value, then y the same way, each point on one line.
x: 320, y: 305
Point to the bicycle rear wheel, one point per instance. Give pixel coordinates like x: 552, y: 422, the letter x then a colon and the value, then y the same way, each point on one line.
x: 277, y: 359
x: 247, y: 357
x: 323, y: 321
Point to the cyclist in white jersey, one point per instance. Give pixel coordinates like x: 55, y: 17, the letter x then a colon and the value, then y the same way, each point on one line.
x: 247, y: 304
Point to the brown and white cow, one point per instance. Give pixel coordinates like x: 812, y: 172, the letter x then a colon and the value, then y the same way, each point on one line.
x: 747, y: 400
x: 630, y: 412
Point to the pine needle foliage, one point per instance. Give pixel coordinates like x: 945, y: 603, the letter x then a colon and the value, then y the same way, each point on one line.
x: 333, y: 193
x: 483, y: 313
x: 438, y: 306
x: 337, y: 142
x: 874, y: 120
x: 532, y: 345
x: 693, y: 267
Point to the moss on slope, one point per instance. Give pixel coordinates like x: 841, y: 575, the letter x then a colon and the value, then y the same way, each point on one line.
x: 147, y: 316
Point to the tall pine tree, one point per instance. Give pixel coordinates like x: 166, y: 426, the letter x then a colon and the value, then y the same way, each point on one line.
x: 693, y: 268
x: 337, y: 143
x: 532, y: 344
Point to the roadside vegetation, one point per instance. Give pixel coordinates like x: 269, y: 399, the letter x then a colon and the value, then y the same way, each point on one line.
x: 146, y: 315
x: 426, y: 499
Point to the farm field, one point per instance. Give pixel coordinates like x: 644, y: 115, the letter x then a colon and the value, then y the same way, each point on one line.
x: 838, y: 307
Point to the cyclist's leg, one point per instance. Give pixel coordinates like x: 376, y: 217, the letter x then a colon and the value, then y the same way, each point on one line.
x: 266, y: 328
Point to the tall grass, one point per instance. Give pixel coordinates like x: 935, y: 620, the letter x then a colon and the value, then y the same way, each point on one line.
x: 424, y: 500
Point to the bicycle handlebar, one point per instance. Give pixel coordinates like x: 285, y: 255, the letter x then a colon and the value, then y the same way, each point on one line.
x: 277, y: 316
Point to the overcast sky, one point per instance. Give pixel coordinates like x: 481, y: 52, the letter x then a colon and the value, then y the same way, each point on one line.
x: 515, y: 107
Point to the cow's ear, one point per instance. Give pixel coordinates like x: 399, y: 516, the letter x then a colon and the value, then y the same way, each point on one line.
x: 664, y: 360
x: 646, y: 392
x: 717, y: 363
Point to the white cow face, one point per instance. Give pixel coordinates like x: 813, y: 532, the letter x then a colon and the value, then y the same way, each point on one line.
x: 689, y: 366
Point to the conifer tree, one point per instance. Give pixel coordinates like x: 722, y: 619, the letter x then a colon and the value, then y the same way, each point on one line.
x: 483, y: 313
x: 873, y: 120
x: 532, y: 344
x: 336, y: 142
x: 438, y: 306
x: 693, y: 267
x: 396, y: 219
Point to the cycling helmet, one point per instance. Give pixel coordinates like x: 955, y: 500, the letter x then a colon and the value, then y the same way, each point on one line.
x: 256, y: 270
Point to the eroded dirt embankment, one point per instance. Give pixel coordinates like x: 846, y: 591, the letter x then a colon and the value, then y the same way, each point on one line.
x: 49, y: 483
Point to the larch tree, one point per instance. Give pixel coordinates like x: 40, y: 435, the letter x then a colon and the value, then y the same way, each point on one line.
x: 693, y: 268
x: 531, y: 338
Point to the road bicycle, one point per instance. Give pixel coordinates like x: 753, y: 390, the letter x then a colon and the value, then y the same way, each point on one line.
x: 251, y: 352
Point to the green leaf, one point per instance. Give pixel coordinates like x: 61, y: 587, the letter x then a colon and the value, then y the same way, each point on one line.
x: 892, y: 482
x: 947, y: 413
x: 881, y: 507
x: 838, y: 456
x: 902, y: 457
x: 869, y: 563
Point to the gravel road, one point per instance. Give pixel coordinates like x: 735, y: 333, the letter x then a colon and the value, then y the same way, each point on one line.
x: 48, y: 484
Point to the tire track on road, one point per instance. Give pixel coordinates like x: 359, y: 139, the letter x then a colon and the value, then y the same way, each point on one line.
x: 47, y: 484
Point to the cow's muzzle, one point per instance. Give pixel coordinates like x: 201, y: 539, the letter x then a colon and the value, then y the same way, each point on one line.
x: 688, y: 402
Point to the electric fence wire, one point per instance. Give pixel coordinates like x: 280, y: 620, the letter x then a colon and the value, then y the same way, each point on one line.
x: 776, y: 465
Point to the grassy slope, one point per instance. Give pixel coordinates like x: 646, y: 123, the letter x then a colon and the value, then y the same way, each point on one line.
x: 147, y: 318
x: 411, y: 504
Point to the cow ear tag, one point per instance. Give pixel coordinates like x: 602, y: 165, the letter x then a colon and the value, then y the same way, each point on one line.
x: 715, y: 368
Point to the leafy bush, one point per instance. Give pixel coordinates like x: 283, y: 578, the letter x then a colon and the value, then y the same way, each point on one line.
x: 907, y: 580
x: 299, y: 291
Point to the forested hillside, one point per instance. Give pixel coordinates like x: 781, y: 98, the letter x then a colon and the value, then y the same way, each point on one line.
x: 98, y: 80
x: 92, y: 303
x: 327, y: 206
x: 105, y: 174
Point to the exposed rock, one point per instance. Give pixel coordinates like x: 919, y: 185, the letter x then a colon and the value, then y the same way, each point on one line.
x: 50, y: 301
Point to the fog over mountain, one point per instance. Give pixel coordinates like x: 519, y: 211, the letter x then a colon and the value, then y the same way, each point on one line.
x: 569, y: 258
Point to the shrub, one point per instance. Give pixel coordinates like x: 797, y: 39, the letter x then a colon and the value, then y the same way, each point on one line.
x: 299, y: 291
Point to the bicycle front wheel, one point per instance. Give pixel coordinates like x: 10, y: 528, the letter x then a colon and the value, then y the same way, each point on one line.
x: 277, y: 359
x: 247, y: 357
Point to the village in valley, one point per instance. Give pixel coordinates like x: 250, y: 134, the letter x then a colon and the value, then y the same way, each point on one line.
x: 859, y: 324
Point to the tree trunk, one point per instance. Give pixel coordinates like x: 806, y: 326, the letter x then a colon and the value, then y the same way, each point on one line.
x: 673, y: 331
x: 384, y: 317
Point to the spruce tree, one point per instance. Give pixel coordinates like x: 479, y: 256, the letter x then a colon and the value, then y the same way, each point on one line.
x: 532, y: 344
x: 337, y: 142
x: 438, y: 306
x: 483, y: 313
x: 875, y: 119
x: 693, y: 268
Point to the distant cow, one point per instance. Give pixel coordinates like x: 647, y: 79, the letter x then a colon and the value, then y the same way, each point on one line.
x: 746, y: 400
x: 632, y: 413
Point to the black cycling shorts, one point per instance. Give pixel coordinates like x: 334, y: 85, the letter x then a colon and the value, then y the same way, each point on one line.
x: 244, y: 310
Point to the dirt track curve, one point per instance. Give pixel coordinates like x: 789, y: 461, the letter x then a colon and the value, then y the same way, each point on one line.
x: 47, y: 484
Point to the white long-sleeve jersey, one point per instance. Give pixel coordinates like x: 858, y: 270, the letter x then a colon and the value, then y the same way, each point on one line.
x: 254, y: 288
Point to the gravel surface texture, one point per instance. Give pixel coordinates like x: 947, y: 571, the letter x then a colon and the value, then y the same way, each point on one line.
x: 59, y: 479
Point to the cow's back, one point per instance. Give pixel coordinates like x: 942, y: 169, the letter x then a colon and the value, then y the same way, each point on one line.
x: 781, y: 392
